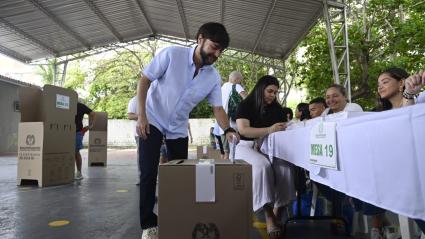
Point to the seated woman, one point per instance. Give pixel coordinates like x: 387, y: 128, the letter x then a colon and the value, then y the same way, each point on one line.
x: 397, y: 89
x: 336, y: 99
x: 257, y: 116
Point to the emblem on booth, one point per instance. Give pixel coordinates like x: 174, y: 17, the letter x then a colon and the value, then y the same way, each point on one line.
x: 205, y: 231
x: 30, y: 140
x: 97, y: 141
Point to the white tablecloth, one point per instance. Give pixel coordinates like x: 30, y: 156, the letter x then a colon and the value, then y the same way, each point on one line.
x: 381, y: 158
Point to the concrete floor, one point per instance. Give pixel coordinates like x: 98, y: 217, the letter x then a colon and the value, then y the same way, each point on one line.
x: 103, y: 205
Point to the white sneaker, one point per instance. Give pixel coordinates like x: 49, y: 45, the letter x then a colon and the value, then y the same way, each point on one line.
x: 78, y: 175
x: 150, y: 233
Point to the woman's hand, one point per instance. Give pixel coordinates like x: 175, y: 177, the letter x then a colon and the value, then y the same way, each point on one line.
x: 277, y: 127
x: 414, y: 83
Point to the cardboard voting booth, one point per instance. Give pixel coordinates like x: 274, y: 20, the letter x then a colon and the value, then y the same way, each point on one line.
x: 205, y: 199
x: 46, y: 135
x: 98, y: 140
x: 207, y: 152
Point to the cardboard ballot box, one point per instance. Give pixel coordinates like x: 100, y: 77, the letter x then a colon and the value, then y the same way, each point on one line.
x: 98, y: 140
x: 204, y: 200
x: 46, y: 135
x: 207, y: 152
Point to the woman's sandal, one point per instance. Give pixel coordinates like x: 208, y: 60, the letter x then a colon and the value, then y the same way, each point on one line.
x: 274, y: 232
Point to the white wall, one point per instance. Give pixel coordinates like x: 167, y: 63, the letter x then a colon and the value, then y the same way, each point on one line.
x: 121, y: 132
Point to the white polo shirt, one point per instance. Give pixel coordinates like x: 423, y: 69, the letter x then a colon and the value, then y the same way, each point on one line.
x: 174, y: 92
x: 133, y: 108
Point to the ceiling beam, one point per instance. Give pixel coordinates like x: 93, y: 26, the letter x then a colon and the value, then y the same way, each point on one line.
x: 145, y: 16
x: 265, y: 24
x: 105, y: 21
x: 28, y: 37
x: 6, y: 51
x: 60, y: 23
x: 222, y: 6
x: 183, y: 19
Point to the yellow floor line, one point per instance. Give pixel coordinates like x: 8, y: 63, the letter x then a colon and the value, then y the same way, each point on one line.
x: 59, y: 223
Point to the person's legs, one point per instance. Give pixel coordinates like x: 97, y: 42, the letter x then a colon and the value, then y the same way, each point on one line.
x: 137, y: 138
x: 220, y: 144
x: 149, y: 160
x: 78, y: 159
x: 273, y: 226
x: 177, y: 148
x: 225, y: 147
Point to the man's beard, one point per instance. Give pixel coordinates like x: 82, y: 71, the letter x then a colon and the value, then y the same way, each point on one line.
x: 206, y: 58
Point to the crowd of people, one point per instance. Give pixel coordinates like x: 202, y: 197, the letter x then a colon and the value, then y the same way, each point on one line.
x: 178, y: 78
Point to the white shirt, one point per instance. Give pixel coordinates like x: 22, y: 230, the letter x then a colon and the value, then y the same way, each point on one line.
x: 349, y: 107
x: 421, y: 98
x: 174, y: 92
x: 133, y: 108
x: 226, y: 89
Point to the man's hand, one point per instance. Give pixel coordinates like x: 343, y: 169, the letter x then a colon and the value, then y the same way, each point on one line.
x: 230, y: 135
x: 414, y: 83
x: 142, y: 127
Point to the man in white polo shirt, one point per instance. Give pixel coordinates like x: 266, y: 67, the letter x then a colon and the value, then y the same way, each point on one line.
x: 132, y: 115
x: 176, y: 80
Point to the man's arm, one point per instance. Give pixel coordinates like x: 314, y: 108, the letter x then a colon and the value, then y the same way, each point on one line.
x: 132, y: 116
x: 223, y: 121
x: 92, y: 118
x: 243, y: 94
x: 142, y: 92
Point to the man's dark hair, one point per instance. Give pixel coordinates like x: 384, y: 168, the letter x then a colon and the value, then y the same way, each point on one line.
x: 216, y: 32
x: 319, y: 100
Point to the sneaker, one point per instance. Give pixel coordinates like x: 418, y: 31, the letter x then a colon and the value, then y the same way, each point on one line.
x: 78, y: 176
x: 150, y: 233
x: 375, y: 233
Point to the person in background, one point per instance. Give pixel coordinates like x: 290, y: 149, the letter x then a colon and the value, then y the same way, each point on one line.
x: 82, y: 109
x: 301, y: 112
x: 272, y: 181
x: 336, y: 99
x: 235, y: 79
x: 316, y: 107
x: 289, y: 115
x: 396, y: 89
x: 132, y: 115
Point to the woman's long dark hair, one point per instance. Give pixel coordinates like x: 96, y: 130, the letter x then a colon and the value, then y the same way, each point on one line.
x: 256, y: 97
x: 398, y: 74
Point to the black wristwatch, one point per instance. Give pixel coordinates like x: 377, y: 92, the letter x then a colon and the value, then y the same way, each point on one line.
x: 230, y: 129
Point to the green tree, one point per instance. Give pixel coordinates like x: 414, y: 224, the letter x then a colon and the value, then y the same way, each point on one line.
x: 382, y: 33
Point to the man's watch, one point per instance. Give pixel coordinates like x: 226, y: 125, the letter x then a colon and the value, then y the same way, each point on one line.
x: 230, y: 129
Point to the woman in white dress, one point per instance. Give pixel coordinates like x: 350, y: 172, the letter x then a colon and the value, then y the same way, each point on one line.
x: 273, y: 187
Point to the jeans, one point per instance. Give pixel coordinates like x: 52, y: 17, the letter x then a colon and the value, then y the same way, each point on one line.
x: 149, y: 150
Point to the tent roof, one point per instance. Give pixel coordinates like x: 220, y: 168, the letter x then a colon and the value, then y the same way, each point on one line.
x: 36, y: 29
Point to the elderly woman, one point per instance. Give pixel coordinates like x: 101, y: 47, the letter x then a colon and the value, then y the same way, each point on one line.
x: 336, y: 99
x: 257, y: 116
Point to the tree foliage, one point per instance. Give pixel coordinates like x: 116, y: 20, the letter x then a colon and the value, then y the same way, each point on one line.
x: 382, y: 33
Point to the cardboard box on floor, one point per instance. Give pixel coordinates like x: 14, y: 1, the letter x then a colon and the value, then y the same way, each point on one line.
x: 98, y: 140
x: 196, y: 200
x: 46, y: 135
x: 207, y: 152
